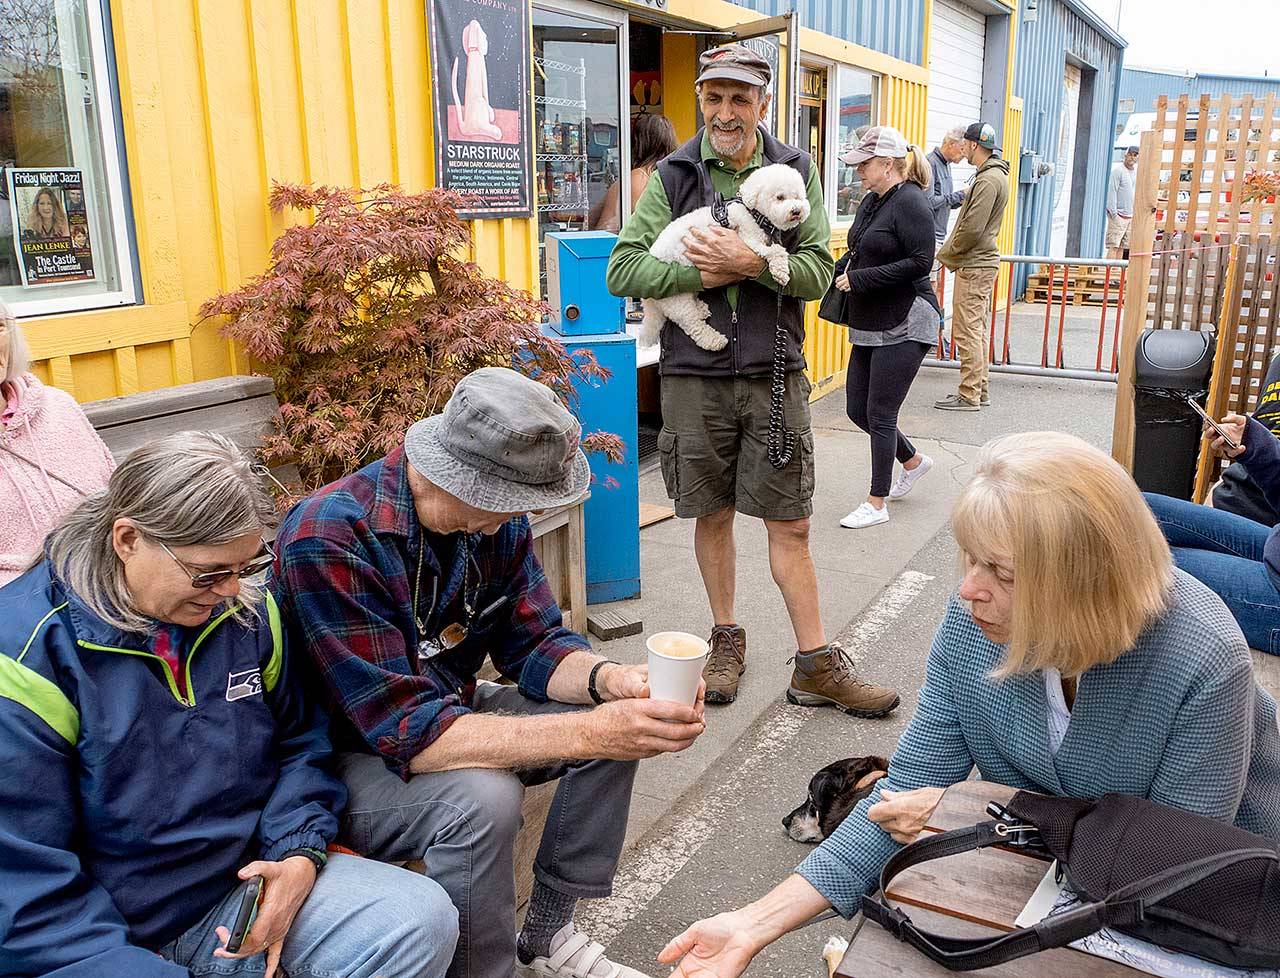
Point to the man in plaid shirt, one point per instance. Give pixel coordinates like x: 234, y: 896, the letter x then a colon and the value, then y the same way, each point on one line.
x: 401, y: 580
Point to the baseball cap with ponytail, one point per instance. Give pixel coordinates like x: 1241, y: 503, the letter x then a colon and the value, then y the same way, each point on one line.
x: 889, y: 142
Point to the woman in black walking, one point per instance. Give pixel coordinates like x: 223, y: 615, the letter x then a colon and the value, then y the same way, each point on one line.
x: 890, y: 308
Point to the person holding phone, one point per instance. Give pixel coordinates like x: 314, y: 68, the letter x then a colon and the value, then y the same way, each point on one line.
x: 166, y: 792
x: 1236, y: 557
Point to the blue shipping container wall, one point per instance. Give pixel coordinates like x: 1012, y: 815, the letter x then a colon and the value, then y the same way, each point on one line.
x: 1063, y: 30
x: 1144, y: 87
x: 892, y: 27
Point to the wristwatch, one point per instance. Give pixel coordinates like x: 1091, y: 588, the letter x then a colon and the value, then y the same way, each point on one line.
x: 594, y: 693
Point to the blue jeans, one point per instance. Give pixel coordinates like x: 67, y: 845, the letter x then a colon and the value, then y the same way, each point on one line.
x: 362, y: 919
x: 1224, y: 552
x: 463, y: 825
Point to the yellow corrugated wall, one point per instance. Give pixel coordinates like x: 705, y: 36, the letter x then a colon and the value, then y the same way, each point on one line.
x: 827, y: 349
x: 220, y: 97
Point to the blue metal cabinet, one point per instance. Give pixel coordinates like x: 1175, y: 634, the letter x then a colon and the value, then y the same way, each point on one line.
x: 613, y: 512
x: 580, y: 303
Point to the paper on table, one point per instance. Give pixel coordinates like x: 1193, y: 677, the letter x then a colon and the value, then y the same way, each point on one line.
x: 1052, y: 897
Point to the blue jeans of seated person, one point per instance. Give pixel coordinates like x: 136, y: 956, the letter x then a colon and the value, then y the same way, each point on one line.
x: 362, y: 919
x: 463, y: 825
x: 1224, y: 552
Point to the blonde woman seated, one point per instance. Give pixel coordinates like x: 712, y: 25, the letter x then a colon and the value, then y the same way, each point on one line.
x: 1075, y: 661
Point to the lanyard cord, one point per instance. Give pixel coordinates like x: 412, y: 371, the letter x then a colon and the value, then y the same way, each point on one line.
x: 467, y: 604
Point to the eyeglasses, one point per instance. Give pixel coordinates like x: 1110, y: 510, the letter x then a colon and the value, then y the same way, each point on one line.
x: 253, y: 572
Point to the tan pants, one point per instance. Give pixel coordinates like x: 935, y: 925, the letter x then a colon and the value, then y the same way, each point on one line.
x: 970, y: 323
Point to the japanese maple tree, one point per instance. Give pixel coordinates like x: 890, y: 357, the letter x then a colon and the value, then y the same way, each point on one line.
x: 367, y: 317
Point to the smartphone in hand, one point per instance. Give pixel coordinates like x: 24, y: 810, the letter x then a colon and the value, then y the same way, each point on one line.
x: 250, y: 900
x: 1226, y: 438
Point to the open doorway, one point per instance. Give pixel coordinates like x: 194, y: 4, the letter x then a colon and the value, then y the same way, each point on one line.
x: 813, y: 113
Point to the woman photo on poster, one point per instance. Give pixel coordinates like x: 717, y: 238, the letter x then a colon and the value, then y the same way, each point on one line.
x: 47, y: 220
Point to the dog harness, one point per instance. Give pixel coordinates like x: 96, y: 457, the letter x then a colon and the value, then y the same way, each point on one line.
x: 720, y: 214
x: 781, y: 443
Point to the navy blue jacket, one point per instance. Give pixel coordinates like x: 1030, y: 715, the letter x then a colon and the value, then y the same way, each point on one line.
x: 126, y: 809
x: 1262, y: 460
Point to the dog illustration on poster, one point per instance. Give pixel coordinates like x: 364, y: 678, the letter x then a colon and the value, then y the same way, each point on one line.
x: 475, y: 115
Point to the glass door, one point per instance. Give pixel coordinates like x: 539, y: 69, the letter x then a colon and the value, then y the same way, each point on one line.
x: 580, y: 146
x: 813, y: 115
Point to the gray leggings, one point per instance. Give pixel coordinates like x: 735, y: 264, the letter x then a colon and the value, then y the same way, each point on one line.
x: 875, y: 387
x: 463, y: 825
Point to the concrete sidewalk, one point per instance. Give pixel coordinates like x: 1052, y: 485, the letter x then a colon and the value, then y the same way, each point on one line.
x: 705, y: 832
x: 854, y: 566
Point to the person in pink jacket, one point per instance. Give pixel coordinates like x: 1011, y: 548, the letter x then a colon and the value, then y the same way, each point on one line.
x: 50, y: 456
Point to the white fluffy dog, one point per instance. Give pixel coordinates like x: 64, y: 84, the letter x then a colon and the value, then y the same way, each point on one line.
x: 775, y: 191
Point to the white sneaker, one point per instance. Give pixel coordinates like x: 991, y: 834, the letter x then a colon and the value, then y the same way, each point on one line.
x: 907, y: 478
x: 864, y: 516
x: 575, y: 955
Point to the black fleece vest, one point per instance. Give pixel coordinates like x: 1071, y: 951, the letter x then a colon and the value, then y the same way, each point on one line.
x: 688, y: 186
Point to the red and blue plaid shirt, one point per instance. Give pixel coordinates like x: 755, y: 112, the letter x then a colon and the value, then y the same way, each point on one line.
x: 347, y: 562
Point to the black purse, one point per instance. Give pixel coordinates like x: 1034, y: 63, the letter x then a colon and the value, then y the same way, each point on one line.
x: 1183, y: 881
x: 833, y: 306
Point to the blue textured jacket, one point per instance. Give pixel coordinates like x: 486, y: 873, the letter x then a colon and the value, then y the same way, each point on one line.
x: 126, y: 809
x: 1177, y: 719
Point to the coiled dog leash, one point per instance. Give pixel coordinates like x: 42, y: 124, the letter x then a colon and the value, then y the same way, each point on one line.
x: 781, y: 444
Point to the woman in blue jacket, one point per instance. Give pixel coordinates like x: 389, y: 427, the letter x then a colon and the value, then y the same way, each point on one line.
x: 155, y: 751
x: 1236, y: 557
x: 1076, y: 661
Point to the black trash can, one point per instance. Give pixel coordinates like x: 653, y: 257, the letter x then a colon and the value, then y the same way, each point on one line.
x: 1166, y: 436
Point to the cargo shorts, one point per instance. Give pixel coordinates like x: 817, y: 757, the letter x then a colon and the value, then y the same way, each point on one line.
x: 714, y: 447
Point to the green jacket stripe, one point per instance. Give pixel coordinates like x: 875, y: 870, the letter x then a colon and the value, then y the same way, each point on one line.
x: 41, y: 696
x: 271, y: 675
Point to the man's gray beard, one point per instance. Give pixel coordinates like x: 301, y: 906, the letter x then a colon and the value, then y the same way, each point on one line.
x: 718, y: 137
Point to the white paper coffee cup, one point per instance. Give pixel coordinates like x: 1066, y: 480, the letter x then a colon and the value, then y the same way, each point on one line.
x: 675, y: 677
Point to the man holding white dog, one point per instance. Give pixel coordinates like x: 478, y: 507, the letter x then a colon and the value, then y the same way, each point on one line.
x: 716, y: 404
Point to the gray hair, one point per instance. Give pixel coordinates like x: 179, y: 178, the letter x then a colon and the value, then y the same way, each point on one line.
x: 192, y: 488
x: 19, y: 355
x: 954, y: 135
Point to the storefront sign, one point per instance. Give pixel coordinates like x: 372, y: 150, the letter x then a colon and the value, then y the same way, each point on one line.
x: 769, y: 47
x: 480, y: 95
x: 51, y: 226
x: 813, y: 83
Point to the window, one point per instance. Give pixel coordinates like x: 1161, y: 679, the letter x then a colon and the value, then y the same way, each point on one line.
x: 1125, y: 106
x: 64, y: 242
x: 578, y: 144
x: 855, y: 111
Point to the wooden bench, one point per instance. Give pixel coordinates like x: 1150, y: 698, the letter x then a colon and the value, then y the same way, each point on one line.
x: 243, y: 409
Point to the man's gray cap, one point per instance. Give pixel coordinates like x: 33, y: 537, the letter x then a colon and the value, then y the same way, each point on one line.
x: 503, y: 444
x: 735, y: 62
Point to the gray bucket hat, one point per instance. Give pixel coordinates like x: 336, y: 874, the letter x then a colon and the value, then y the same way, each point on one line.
x: 503, y: 444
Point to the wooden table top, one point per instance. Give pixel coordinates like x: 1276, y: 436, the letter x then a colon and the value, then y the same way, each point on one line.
x: 971, y: 895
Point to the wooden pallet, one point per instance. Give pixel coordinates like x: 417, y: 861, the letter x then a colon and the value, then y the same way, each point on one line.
x: 1075, y: 297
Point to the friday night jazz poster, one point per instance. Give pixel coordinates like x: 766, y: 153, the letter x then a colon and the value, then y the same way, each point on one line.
x: 480, y: 96
x: 51, y: 225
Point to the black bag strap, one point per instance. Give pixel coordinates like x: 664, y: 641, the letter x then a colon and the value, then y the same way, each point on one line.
x: 1123, y: 908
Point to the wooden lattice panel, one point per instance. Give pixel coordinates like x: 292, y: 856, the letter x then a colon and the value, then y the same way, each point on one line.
x: 1256, y: 332
x: 1202, y: 256
x: 1205, y: 151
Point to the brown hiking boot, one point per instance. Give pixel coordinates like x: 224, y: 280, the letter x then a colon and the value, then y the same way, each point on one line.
x: 826, y: 678
x: 726, y: 663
